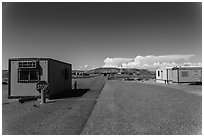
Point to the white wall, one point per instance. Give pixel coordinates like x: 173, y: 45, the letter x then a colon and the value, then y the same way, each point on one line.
x: 175, y: 75
x: 162, y: 72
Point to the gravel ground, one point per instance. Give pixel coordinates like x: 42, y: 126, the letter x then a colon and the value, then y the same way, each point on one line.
x: 57, y: 117
x: 194, y: 89
x: 137, y: 108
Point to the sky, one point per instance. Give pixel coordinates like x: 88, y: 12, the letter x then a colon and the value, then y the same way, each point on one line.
x: 90, y: 35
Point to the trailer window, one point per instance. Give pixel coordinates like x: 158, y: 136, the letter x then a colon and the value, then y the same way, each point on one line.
x: 27, y: 64
x: 34, y: 75
x: 184, y: 73
x: 23, y: 75
x: 158, y: 74
x: 28, y: 75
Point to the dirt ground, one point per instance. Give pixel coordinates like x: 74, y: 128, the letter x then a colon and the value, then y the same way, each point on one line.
x: 142, y: 108
x: 194, y: 89
x: 63, y: 116
x: 128, y: 108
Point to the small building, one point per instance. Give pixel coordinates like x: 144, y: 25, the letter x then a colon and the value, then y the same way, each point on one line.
x: 164, y: 74
x: 186, y: 74
x: 182, y: 74
x: 24, y: 73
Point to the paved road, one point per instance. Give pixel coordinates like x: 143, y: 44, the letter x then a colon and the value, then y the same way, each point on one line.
x: 57, y: 117
x: 139, y: 108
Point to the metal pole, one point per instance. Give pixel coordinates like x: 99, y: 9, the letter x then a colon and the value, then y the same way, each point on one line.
x: 42, y: 96
x: 75, y: 85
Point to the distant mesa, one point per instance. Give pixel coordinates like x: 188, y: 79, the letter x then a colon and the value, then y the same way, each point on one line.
x: 112, y: 70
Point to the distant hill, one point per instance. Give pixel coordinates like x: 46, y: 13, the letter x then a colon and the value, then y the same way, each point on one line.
x: 104, y: 70
x: 130, y: 71
x: 116, y: 70
x: 77, y: 71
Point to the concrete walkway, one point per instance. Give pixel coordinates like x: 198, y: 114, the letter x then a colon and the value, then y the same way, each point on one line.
x: 139, y: 108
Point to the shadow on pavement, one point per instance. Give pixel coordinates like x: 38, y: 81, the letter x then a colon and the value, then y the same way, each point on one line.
x: 69, y: 94
x: 196, y: 83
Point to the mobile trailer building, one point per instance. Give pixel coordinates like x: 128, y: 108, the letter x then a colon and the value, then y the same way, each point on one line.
x: 187, y: 74
x: 163, y: 74
x: 182, y: 74
x: 24, y: 73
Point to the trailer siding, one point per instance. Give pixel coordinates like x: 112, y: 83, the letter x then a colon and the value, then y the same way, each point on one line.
x: 23, y: 79
x: 169, y: 74
x: 163, y: 74
x: 57, y: 80
x: 175, y: 75
x: 25, y: 89
x: 192, y: 75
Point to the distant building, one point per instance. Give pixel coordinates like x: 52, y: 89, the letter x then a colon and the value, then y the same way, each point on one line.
x: 24, y: 73
x: 163, y: 74
x: 182, y: 74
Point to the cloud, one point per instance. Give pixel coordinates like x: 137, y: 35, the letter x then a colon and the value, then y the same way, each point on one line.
x: 149, y: 62
x: 116, y: 62
x: 86, y: 66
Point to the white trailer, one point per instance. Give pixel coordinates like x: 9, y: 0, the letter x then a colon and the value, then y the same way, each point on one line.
x: 164, y: 75
x: 24, y: 73
x: 187, y: 74
x: 182, y: 74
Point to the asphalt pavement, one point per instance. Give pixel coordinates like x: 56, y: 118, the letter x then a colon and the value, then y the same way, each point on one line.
x: 65, y: 116
x: 136, y: 108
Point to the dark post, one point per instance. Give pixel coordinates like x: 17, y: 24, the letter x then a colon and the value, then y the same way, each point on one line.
x: 42, y: 96
x: 75, y: 85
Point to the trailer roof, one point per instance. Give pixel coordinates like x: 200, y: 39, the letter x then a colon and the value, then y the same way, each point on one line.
x: 191, y: 66
x: 165, y: 68
x: 181, y: 67
x: 27, y: 59
x: 187, y: 67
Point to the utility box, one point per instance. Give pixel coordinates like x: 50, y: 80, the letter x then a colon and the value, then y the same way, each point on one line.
x: 25, y: 73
